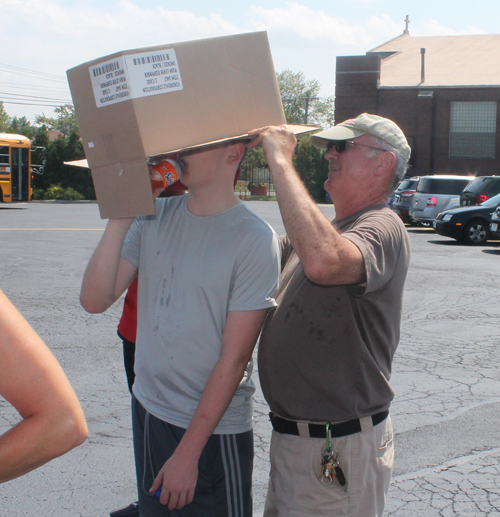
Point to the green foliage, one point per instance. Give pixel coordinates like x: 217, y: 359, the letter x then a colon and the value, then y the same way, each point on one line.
x: 312, y: 167
x: 255, y: 159
x: 56, y: 173
x: 22, y: 126
x: 38, y: 193
x: 5, y: 120
x: 301, y: 101
x: 60, y: 192
x: 65, y: 122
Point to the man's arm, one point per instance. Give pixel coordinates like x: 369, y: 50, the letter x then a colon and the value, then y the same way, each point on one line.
x: 326, y: 256
x: 179, y: 474
x: 107, y: 274
x: 34, y: 383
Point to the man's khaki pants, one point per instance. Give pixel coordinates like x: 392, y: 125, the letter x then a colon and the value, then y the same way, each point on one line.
x: 366, y: 459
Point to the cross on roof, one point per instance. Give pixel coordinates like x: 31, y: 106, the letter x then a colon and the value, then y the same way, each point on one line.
x: 407, y: 22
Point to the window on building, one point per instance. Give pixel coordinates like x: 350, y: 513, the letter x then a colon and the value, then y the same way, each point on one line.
x: 473, y: 129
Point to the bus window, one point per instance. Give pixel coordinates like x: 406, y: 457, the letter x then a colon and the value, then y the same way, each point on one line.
x: 4, y: 155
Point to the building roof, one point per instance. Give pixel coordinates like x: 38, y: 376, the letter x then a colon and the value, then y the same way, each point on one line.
x: 449, y: 61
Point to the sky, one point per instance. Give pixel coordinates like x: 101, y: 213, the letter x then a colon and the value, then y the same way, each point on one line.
x: 41, y: 39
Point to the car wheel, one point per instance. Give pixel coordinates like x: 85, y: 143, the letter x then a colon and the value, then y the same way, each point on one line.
x: 476, y: 232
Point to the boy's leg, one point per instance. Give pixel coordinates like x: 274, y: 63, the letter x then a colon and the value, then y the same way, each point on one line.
x: 224, y: 484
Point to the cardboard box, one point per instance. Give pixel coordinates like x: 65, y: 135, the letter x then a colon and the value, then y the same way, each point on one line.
x: 145, y: 102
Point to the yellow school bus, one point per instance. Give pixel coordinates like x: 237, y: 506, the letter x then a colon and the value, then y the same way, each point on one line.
x: 15, y: 168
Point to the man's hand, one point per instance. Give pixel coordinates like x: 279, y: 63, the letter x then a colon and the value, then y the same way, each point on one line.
x: 177, y: 479
x: 278, y: 142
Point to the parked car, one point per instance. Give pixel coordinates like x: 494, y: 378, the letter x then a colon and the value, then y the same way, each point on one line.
x: 469, y: 224
x: 495, y: 224
x: 435, y: 194
x: 479, y: 190
x: 402, y: 198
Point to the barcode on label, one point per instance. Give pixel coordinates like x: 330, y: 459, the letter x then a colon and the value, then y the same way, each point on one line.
x: 105, y: 69
x: 150, y: 59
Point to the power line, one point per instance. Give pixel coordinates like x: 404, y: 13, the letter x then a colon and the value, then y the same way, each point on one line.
x: 12, y: 95
x: 49, y: 77
x: 32, y: 104
x: 23, y: 86
x: 33, y: 97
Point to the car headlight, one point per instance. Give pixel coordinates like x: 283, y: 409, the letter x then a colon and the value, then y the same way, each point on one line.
x: 447, y: 217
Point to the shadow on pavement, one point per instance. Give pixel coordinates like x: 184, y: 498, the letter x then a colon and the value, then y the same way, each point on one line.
x: 420, y: 230
x: 447, y: 243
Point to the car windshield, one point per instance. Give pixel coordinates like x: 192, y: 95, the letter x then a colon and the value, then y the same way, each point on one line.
x: 407, y: 185
x: 485, y: 185
x: 442, y: 185
x: 492, y: 201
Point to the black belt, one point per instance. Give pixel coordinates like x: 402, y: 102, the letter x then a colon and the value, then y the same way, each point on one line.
x: 283, y: 426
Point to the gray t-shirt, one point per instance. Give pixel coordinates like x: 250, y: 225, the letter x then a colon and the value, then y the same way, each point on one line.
x: 192, y: 271
x: 325, y: 353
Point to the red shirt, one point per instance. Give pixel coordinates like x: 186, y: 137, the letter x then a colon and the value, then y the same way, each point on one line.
x: 127, y: 327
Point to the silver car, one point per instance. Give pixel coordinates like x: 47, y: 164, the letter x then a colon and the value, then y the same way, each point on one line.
x: 435, y: 194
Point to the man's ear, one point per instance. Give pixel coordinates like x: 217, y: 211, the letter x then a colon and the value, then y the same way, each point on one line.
x: 236, y: 152
x: 386, y: 163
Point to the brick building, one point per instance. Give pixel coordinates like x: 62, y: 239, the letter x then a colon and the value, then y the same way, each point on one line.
x: 443, y: 91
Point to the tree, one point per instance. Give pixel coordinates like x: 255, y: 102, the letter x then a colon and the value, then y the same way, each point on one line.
x: 59, y: 180
x: 301, y: 101
x: 22, y: 126
x: 312, y: 167
x: 65, y: 121
x: 5, y: 120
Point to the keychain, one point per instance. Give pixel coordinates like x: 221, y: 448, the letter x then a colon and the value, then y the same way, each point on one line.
x: 330, y: 466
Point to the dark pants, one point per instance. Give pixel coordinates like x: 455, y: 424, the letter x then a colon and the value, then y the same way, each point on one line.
x: 128, y: 360
x: 224, y: 486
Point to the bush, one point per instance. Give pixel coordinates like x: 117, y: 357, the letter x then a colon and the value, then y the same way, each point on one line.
x: 59, y: 192
x: 38, y: 193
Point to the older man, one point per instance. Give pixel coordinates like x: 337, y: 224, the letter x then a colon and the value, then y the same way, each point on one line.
x: 325, y: 353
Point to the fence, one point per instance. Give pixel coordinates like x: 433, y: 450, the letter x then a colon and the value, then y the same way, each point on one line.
x: 255, y: 175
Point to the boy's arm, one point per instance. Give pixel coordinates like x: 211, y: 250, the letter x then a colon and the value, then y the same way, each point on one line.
x: 179, y: 474
x: 107, y: 274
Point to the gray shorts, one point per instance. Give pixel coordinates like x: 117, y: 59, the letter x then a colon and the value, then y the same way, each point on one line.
x: 224, y: 486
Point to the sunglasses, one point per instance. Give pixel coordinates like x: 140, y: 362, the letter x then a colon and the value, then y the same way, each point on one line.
x: 343, y: 145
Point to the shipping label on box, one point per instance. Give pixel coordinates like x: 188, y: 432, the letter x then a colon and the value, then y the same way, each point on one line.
x: 134, y: 76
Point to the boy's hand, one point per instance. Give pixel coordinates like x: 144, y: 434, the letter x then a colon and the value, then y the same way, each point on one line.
x: 177, y: 479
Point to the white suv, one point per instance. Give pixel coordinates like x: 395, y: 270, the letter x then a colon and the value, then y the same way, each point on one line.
x: 435, y: 194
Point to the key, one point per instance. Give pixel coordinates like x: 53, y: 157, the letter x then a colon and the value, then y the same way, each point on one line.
x: 326, y: 466
x: 338, y: 472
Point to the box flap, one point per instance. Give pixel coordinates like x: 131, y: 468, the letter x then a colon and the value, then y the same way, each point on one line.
x: 123, y: 190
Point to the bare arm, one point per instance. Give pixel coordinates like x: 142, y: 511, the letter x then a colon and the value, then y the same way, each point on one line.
x: 179, y: 474
x: 326, y: 256
x: 34, y: 383
x: 107, y: 274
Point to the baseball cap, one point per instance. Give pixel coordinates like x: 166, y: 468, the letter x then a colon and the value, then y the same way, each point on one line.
x: 365, y: 123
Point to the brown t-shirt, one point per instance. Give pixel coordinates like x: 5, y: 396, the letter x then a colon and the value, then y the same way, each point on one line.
x: 325, y: 353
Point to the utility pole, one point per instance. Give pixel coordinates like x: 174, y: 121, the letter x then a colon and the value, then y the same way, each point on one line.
x: 308, y: 99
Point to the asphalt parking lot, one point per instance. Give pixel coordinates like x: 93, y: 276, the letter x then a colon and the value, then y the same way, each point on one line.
x: 446, y: 413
